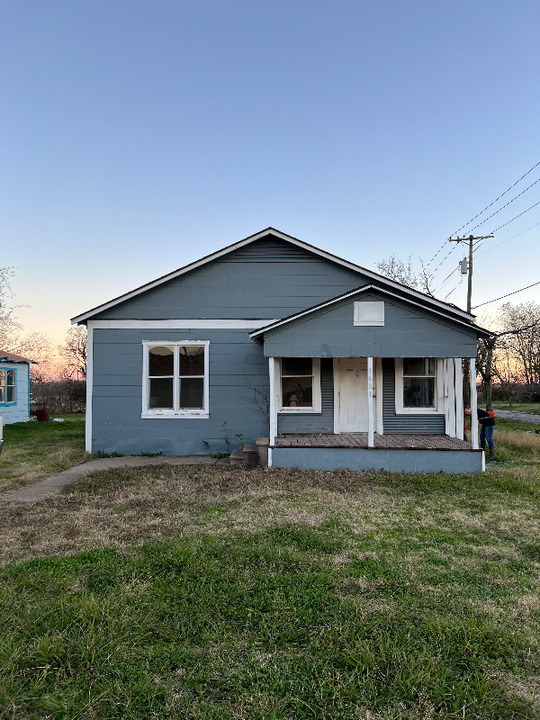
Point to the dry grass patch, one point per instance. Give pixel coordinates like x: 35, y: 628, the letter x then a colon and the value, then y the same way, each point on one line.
x: 122, y: 506
x: 521, y: 439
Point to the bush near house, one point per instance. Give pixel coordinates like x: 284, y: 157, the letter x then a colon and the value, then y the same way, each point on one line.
x: 59, y: 397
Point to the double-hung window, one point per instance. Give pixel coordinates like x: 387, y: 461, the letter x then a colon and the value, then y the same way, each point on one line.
x: 175, y: 379
x: 300, y: 385
x: 416, y: 385
x: 8, y: 391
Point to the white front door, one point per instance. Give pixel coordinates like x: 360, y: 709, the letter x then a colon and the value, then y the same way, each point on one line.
x: 351, y: 377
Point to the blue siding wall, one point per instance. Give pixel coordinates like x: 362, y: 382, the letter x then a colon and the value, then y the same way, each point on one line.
x: 20, y: 410
x: 405, y: 424
x: 268, y: 279
x: 408, y: 331
x: 237, y: 366
x: 314, y: 423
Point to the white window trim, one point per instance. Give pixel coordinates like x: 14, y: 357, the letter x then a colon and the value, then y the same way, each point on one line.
x: 439, y: 391
x: 202, y: 414
x: 316, y: 392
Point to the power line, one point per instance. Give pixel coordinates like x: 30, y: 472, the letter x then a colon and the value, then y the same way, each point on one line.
x: 484, y: 210
x: 497, y: 199
x: 507, y: 295
x: 479, y: 244
x: 504, y: 206
x: 441, y: 285
x: 515, y: 218
x: 510, y: 238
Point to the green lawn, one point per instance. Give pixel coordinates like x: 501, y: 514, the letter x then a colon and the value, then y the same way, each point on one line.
x: 35, y: 450
x: 212, y: 592
x: 517, y: 406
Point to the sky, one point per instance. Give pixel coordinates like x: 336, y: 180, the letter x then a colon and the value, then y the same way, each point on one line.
x: 137, y: 136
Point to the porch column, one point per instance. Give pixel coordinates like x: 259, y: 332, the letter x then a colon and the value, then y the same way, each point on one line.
x: 474, y: 404
x: 273, y: 407
x: 371, y: 414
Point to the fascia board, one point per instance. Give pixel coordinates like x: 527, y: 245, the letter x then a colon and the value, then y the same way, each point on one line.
x: 352, y: 293
x: 246, y: 241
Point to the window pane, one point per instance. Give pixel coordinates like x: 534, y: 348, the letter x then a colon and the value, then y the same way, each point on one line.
x: 2, y: 377
x: 11, y: 377
x: 418, y: 392
x: 161, y: 393
x: 191, y: 360
x: 10, y: 393
x: 418, y: 366
x: 191, y: 393
x: 296, y: 366
x: 161, y: 361
x: 297, y: 391
x: 2, y: 394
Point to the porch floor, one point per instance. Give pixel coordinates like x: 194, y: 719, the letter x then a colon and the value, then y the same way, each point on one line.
x: 382, y: 442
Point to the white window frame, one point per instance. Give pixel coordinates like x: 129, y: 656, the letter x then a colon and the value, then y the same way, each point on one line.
x: 176, y: 412
x: 6, y: 385
x: 439, y: 391
x: 374, y: 311
x: 315, y: 390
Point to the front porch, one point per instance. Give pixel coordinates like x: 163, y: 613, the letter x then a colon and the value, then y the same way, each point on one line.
x: 393, y: 453
x: 381, y: 442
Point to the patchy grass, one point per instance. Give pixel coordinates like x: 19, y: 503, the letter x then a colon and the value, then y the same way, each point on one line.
x: 35, y: 450
x: 209, y: 592
x: 533, y: 408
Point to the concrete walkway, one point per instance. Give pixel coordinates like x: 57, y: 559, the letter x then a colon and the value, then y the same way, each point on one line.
x: 51, y: 485
x: 519, y: 416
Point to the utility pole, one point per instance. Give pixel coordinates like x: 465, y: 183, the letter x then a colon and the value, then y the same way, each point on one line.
x: 466, y: 383
x: 470, y: 240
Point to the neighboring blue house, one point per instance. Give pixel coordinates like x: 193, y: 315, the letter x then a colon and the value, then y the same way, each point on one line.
x: 14, y: 388
x: 270, y: 337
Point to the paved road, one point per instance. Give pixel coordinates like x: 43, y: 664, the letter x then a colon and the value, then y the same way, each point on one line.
x: 519, y: 416
x: 51, y: 485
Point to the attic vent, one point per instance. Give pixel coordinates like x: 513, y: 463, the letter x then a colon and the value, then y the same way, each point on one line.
x: 368, y: 314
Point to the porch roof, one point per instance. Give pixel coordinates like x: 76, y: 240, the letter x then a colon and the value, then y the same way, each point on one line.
x: 456, y: 317
x: 407, y: 329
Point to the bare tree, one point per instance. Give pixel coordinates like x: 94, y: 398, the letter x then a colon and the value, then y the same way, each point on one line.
x: 496, y: 358
x: 521, y: 322
x: 8, y: 324
x: 35, y: 346
x: 74, y: 352
x: 406, y: 273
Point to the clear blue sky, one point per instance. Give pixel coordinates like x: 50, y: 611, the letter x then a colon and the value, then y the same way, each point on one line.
x: 139, y: 135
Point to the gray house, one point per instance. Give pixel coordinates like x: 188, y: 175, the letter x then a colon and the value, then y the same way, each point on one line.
x: 337, y: 366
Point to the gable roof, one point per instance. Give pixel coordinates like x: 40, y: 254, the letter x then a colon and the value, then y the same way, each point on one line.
x: 10, y: 357
x: 426, y: 299
x: 352, y: 293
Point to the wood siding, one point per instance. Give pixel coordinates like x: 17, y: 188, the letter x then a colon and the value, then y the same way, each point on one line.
x: 268, y: 279
x: 421, y: 424
x: 409, y: 331
x: 322, y: 422
x: 20, y: 411
x: 237, y: 366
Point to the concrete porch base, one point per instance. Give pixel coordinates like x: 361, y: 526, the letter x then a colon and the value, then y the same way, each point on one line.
x: 405, y: 460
